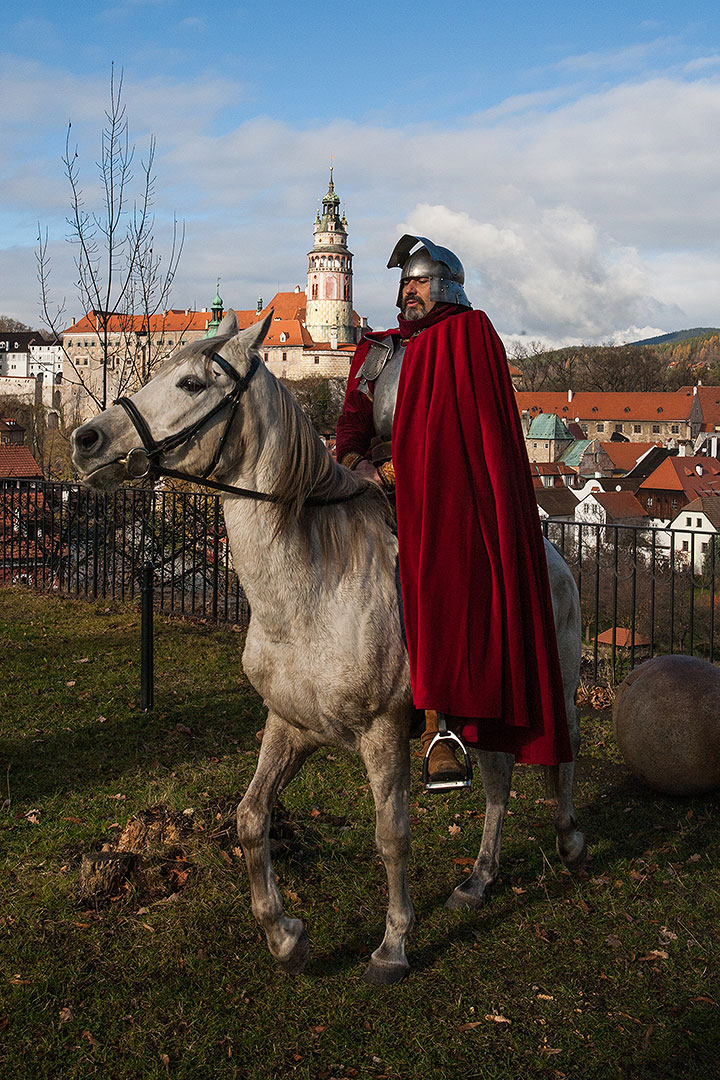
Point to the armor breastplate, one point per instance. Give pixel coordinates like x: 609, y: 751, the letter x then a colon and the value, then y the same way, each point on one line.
x: 385, y: 393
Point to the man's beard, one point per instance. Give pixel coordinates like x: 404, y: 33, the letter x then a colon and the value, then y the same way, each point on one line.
x: 417, y: 311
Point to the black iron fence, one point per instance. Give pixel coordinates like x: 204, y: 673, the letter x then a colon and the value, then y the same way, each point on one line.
x: 66, y: 538
x: 643, y: 591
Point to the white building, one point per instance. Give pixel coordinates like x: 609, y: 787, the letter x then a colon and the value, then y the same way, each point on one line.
x: 694, y: 529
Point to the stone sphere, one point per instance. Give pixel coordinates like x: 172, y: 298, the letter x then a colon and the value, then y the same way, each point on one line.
x: 666, y: 719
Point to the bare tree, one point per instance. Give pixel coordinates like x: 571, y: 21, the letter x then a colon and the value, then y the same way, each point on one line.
x: 122, y: 282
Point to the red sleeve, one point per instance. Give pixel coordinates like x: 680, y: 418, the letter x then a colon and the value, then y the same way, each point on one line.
x: 355, y: 426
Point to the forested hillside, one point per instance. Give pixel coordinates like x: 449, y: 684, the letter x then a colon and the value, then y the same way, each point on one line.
x: 620, y: 368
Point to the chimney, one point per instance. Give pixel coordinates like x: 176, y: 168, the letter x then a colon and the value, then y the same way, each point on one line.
x: 570, y: 395
x: 334, y: 336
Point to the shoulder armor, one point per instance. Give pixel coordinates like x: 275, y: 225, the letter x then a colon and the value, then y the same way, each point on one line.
x: 378, y: 355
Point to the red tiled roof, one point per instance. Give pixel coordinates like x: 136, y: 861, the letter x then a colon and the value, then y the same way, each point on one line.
x: 623, y: 637
x: 288, y: 317
x: 17, y: 462
x: 709, y: 399
x: 550, y: 468
x: 168, y: 322
x: 692, y: 475
x: 624, y: 455
x: 608, y: 406
x: 619, y: 504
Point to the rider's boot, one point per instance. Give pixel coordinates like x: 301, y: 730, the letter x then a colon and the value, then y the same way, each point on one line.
x: 443, y: 764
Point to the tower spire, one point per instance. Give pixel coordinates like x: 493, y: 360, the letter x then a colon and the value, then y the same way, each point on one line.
x: 329, y: 287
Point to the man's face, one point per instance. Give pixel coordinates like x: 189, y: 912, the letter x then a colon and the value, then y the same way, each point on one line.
x: 416, y: 302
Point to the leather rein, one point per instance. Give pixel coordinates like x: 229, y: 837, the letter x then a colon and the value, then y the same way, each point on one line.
x: 143, y: 461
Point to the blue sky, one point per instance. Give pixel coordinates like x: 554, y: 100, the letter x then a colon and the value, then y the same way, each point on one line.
x: 569, y: 153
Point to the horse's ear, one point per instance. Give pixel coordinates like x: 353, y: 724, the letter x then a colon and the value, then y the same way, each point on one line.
x: 229, y: 325
x: 253, y: 337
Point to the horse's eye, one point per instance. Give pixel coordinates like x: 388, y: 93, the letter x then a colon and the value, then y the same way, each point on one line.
x: 191, y: 384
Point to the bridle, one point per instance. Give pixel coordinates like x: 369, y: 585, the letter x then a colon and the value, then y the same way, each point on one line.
x: 143, y: 461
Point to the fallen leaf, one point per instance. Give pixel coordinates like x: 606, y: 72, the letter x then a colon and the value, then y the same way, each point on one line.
x: 66, y: 1014
x: 75, y: 820
x: 90, y: 1038
x: 464, y: 860
x: 454, y: 829
x: 613, y: 941
x: 655, y: 954
x: 498, y: 1018
x: 71, y: 683
x: 183, y: 729
x: 646, y: 1037
x: 469, y: 1027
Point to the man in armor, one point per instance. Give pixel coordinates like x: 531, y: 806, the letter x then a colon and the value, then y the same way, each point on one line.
x: 430, y: 414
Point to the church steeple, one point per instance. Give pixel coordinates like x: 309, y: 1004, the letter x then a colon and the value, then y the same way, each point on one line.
x: 217, y: 314
x: 329, y: 287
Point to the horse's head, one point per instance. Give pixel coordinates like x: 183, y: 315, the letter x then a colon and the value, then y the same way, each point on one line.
x: 178, y: 420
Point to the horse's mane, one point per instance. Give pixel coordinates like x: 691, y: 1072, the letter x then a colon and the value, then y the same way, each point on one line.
x: 305, y: 469
x: 308, y: 470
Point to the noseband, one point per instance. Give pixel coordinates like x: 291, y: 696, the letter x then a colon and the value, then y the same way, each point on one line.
x: 143, y: 461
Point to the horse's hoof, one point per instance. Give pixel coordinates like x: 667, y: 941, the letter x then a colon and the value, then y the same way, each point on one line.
x: 574, y: 855
x: 295, y: 961
x: 467, y: 896
x: 380, y: 974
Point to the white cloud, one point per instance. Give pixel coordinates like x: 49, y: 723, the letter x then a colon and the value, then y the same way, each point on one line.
x: 576, y: 220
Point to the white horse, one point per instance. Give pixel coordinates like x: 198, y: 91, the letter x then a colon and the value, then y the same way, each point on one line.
x: 316, y: 558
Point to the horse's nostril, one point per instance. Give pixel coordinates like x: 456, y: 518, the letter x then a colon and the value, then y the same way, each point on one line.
x: 87, y: 439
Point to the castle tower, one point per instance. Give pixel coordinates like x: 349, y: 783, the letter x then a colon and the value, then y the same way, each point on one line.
x: 329, y: 288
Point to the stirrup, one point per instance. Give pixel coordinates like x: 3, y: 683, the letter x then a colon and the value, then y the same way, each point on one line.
x: 445, y: 735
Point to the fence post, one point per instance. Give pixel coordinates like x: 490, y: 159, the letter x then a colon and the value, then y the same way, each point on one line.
x: 147, y: 689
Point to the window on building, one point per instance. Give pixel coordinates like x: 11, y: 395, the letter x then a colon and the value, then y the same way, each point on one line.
x: 704, y: 547
x: 284, y: 356
x: 317, y: 359
x: 698, y: 523
x: 599, y: 427
x: 656, y: 429
x: 688, y: 521
x: 618, y: 427
x: 648, y: 501
x: 673, y: 503
x: 675, y: 428
x: 686, y: 545
x: 637, y: 428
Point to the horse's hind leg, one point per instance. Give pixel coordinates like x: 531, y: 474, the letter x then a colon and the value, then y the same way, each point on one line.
x: 284, y: 749
x: 388, y: 768
x: 569, y: 840
x: 496, y: 769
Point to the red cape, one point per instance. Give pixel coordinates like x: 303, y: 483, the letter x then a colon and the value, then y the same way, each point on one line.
x: 476, y: 596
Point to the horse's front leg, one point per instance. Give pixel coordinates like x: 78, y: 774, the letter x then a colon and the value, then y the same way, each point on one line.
x: 388, y: 768
x: 496, y: 770
x: 284, y: 749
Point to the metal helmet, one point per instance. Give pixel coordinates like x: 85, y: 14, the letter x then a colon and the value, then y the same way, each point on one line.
x: 441, y: 265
